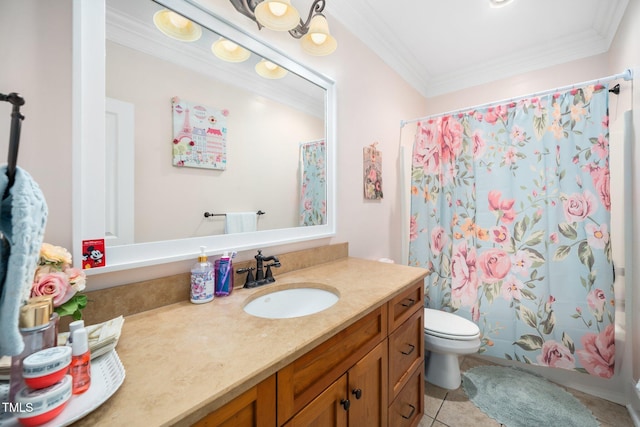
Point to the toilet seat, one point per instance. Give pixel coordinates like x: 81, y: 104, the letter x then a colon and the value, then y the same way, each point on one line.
x: 449, y: 326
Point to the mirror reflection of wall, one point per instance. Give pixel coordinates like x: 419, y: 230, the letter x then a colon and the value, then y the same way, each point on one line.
x: 262, y: 139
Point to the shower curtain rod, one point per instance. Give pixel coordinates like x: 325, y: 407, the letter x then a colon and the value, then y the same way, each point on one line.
x: 626, y: 75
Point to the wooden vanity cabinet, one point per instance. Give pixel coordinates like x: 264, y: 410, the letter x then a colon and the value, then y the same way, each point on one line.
x: 357, y: 398
x: 255, y: 407
x: 369, y: 374
x: 302, y: 381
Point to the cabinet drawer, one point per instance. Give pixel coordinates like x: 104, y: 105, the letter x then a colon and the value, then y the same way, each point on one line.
x: 406, y: 352
x: 407, y: 409
x: 303, y: 379
x: 404, y: 305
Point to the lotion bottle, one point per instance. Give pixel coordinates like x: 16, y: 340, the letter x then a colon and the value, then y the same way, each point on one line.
x: 202, y: 279
x: 80, y: 367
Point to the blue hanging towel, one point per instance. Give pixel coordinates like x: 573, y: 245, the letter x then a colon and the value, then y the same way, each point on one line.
x: 23, y: 217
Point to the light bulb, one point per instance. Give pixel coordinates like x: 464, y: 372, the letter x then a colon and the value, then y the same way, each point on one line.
x: 270, y: 65
x: 318, y: 38
x: 229, y: 45
x: 277, y: 8
x: 178, y: 21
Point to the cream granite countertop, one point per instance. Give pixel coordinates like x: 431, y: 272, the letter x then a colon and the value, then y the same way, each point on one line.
x: 185, y: 360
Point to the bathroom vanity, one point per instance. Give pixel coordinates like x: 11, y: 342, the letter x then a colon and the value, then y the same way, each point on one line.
x: 358, y: 362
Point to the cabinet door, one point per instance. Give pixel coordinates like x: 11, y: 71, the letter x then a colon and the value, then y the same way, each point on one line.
x: 254, y: 408
x: 329, y: 409
x: 368, y: 389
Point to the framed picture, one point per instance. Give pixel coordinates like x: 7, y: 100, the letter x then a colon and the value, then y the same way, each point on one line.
x: 199, y: 135
x: 372, y: 173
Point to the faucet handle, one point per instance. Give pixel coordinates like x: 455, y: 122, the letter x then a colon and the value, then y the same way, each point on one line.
x: 268, y: 276
x: 249, y: 271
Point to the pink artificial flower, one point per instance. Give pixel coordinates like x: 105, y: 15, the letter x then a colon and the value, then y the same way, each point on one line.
x: 579, y: 206
x: 504, y: 206
x: 556, y: 355
x: 598, y: 355
x: 464, y: 279
x: 54, y: 284
x: 495, y: 264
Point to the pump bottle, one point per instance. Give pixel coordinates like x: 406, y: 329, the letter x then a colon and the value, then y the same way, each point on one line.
x: 202, y: 279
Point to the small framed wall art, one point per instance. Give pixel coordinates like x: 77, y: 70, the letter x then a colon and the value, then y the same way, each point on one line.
x: 372, y: 172
x: 199, y: 135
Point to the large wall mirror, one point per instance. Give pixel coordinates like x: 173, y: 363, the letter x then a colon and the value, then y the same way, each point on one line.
x: 146, y: 191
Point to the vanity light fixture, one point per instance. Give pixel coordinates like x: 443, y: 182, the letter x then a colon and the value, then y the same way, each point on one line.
x: 176, y: 26
x: 280, y: 15
x: 229, y: 51
x: 269, y: 70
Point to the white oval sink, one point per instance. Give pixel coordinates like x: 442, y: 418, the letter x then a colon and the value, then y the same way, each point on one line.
x: 291, y: 302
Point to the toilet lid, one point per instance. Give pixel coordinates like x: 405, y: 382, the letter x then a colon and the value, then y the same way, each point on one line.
x: 448, y: 325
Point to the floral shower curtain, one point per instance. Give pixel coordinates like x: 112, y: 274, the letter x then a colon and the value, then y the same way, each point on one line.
x: 313, y: 183
x: 510, y: 214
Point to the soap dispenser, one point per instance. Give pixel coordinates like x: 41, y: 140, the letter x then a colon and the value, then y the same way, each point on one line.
x: 202, y: 279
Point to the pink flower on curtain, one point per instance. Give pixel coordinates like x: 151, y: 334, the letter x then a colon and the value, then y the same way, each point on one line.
x: 510, y: 289
x: 479, y: 145
x: 450, y: 138
x: 601, y: 147
x: 493, y: 114
x: 500, y: 234
x: 495, y: 264
x: 521, y: 263
x: 438, y: 240
x: 598, y: 355
x: 426, y: 153
x: 579, y: 206
x: 413, y: 228
x: 598, y: 236
x: 464, y: 278
x: 601, y: 180
x: 505, y: 207
x: 517, y: 134
x: 596, y: 301
x: 556, y: 355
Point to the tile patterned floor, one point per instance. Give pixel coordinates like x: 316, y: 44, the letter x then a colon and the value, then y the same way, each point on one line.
x: 444, y: 408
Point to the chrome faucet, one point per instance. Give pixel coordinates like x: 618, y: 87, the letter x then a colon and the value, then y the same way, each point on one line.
x: 261, y: 277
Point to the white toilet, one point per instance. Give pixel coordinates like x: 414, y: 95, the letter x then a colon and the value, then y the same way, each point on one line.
x: 446, y: 336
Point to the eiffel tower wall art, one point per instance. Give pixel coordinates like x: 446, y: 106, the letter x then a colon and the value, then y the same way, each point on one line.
x: 199, y: 135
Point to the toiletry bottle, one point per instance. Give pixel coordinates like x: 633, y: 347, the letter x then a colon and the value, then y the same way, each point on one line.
x: 224, y: 275
x: 74, y: 326
x: 80, y: 367
x: 37, y: 329
x: 202, y: 280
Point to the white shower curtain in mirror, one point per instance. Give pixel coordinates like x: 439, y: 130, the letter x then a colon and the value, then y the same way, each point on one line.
x: 510, y: 214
